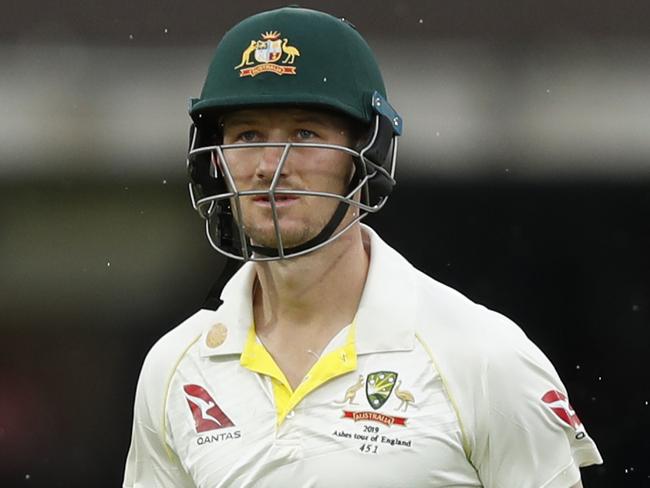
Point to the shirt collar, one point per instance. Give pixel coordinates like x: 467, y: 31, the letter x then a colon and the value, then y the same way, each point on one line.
x: 386, y: 315
x: 235, y: 315
x: 384, y: 321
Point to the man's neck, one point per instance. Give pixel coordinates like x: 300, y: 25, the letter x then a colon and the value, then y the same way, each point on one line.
x: 318, y: 293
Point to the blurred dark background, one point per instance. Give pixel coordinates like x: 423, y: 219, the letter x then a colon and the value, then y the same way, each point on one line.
x: 524, y: 182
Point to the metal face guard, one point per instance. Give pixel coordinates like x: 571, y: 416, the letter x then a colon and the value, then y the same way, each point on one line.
x: 216, y: 197
x: 208, y: 206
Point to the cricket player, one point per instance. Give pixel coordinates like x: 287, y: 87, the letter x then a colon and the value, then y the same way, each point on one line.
x: 328, y: 360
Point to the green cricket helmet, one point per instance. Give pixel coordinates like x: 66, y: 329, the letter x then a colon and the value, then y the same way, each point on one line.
x: 290, y: 57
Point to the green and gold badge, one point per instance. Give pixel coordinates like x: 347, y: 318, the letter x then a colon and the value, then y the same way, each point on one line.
x: 379, y: 386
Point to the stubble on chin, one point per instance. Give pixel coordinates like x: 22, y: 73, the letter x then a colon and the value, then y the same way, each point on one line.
x: 293, y: 234
x: 294, y: 230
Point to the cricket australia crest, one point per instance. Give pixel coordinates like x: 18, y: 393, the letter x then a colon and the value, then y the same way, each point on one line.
x: 267, y: 52
x: 379, y: 386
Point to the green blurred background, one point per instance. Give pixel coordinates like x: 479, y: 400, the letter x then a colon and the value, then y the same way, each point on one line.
x: 524, y: 174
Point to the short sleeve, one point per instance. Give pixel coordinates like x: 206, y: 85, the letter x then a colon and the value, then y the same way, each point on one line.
x: 534, y: 436
x: 150, y: 463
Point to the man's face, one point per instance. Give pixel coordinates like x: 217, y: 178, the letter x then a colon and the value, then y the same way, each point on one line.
x: 300, y: 217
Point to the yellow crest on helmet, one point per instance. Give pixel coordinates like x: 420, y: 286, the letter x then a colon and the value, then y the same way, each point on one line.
x: 267, y: 53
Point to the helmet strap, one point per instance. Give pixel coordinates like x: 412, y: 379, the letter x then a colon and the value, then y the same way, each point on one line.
x: 322, y: 236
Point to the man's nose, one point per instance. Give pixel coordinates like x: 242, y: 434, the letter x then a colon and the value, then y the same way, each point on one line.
x: 268, y: 162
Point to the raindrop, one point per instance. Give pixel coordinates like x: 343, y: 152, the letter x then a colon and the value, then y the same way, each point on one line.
x: 600, y: 378
x: 126, y: 188
x: 437, y: 134
x: 166, y: 30
x: 325, y: 80
x: 577, y: 366
x: 635, y: 308
x: 646, y: 402
x: 420, y: 21
x: 164, y: 182
x: 548, y: 90
x: 130, y: 37
x: 507, y: 170
x: 108, y: 264
x: 27, y: 476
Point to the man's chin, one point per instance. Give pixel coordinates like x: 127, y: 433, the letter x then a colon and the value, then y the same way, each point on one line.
x: 290, y: 237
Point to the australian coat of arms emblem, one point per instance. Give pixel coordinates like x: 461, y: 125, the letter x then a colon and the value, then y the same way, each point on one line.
x: 271, y: 53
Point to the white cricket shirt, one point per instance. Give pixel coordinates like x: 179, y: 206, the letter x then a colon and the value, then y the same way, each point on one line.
x: 424, y: 388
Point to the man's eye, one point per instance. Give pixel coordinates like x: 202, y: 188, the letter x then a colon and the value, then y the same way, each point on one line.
x: 306, y: 134
x: 247, y: 136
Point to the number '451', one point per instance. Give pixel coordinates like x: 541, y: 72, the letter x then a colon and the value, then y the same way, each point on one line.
x: 369, y: 448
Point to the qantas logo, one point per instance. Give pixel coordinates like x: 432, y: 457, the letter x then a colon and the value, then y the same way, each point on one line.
x: 207, y: 414
x: 559, y: 404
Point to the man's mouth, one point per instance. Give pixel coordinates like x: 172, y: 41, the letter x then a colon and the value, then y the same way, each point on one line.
x: 280, y: 200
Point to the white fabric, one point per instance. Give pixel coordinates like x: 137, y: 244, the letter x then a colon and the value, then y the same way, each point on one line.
x: 476, y: 417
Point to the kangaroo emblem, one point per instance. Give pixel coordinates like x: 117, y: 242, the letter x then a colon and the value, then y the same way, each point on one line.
x: 246, y: 55
x: 351, y: 392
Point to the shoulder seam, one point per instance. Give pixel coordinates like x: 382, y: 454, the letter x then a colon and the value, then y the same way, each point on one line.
x: 463, y: 431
